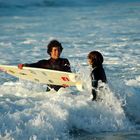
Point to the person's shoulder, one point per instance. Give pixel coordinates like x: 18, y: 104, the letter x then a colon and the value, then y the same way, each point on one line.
x: 64, y: 59
x: 97, y: 69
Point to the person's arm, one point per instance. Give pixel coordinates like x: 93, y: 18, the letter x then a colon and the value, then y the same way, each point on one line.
x: 94, y: 87
x: 94, y: 83
x: 20, y: 66
x: 35, y: 65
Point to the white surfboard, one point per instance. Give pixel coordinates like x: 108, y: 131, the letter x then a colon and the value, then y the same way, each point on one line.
x: 44, y: 76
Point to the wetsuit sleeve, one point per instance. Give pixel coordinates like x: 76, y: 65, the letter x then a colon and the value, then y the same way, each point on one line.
x: 94, y: 87
x: 35, y: 65
x: 94, y: 84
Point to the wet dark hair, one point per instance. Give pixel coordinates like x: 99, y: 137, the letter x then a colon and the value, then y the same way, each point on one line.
x: 54, y: 43
x: 96, y: 57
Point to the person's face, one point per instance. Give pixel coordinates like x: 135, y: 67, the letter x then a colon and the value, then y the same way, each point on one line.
x: 90, y: 61
x: 55, y: 53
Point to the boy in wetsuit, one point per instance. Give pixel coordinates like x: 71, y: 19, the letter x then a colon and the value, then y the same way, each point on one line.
x: 95, y: 59
x: 54, y: 49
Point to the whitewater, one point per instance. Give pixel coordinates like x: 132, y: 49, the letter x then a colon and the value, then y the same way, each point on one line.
x: 28, y: 112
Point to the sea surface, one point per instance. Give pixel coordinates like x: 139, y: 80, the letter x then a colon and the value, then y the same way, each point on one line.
x: 28, y: 112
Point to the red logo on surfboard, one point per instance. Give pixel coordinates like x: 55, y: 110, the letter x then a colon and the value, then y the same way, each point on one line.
x: 65, y: 78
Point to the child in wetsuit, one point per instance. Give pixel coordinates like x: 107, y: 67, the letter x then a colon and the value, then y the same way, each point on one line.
x: 95, y: 59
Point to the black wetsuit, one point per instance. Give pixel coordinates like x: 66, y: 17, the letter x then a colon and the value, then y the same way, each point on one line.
x: 97, y: 74
x: 61, y: 64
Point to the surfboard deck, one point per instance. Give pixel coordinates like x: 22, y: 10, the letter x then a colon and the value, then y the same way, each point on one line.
x: 44, y: 76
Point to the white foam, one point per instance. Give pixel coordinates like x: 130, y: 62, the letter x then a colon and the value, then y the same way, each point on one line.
x: 133, y: 82
x: 30, y: 109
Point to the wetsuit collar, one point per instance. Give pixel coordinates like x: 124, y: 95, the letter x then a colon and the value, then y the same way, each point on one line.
x: 53, y: 60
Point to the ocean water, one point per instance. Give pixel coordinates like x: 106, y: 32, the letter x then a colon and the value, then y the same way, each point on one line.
x: 28, y: 112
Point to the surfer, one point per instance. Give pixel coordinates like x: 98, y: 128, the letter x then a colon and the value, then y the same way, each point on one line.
x: 95, y: 59
x: 54, y: 49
